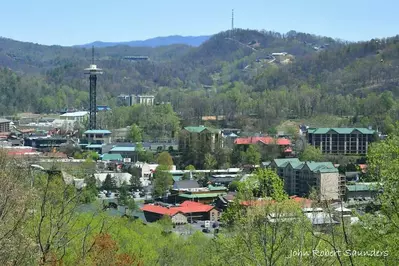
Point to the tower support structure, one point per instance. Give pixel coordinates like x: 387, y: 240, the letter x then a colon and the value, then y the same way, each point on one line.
x: 93, y: 102
x: 93, y: 71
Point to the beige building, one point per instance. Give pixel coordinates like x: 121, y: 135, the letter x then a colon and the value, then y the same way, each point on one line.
x: 300, y: 177
x: 142, y: 99
x: 179, y: 218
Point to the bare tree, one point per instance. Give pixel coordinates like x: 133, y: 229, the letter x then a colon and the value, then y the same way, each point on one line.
x: 15, y: 209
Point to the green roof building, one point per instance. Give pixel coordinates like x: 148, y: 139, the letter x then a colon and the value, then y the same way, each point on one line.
x: 362, y: 192
x: 300, y: 177
x: 196, y: 137
x: 341, y: 140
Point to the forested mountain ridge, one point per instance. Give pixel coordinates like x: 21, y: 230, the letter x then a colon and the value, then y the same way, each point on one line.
x: 318, y: 75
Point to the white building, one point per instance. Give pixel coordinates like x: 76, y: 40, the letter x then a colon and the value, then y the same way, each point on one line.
x: 142, y: 99
x: 119, y: 177
x: 147, y: 171
x: 75, y: 116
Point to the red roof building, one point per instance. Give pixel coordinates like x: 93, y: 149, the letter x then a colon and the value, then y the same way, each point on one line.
x: 263, y: 140
x: 305, y: 203
x: 283, y: 143
x: 190, y: 209
x: 20, y: 151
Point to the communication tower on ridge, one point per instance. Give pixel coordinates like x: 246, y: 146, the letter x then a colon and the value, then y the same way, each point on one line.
x: 93, y: 71
x: 232, y: 23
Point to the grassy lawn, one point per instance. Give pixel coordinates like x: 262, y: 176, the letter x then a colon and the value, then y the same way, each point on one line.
x: 316, y: 121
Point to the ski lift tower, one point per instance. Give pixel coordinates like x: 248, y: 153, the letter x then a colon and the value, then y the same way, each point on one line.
x: 93, y: 71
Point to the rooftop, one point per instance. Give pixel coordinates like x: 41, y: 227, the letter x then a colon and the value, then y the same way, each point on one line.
x: 216, y: 188
x: 185, y: 207
x: 123, y: 149
x: 111, y: 157
x: 97, y: 131
x: 94, y: 146
x: 284, y: 162
x: 264, y: 140
x: 185, y: 184
x: 340, y: 130
x: 75, y: 114
x: 201, y: 196
x: 2, y: 120
x: 199, y: 129
x: 317, y: 167
x: 362, y: 187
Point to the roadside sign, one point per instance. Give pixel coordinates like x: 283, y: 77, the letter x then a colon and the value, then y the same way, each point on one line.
x: 207, y: 224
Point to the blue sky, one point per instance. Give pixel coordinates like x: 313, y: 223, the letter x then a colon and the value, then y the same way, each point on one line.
x: 72, y: 22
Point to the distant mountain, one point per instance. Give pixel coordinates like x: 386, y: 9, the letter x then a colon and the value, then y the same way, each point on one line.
x: 154, y: 42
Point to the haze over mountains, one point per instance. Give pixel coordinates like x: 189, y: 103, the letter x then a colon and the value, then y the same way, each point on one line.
x: 154, y: 42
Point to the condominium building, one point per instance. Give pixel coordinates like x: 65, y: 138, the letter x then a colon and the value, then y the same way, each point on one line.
x: 129, y: 100
x: 4, y: 125
x: 199, y: 137
x: 300, y: 177
x: 341, y: 140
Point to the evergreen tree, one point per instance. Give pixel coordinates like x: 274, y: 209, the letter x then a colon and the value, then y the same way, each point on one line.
x: 109, y: 182
x: 123, y: 194
x: 135, y: 134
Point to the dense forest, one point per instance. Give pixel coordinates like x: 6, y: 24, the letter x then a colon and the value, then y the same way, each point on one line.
x: 232, y: 74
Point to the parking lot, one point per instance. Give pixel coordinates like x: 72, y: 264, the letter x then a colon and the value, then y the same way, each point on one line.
x: 189, y: 229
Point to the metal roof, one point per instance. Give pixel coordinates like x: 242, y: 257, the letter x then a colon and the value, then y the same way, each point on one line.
x: 199, y: 129
x: 216, y: 188
x: 97, y: 131
x: 123, y: 149
x: 362, y: 187
x: 202, y: 195
x: 185, y: 184
x: 284, y: 162
x: 94, y: 146
x: 111, y: 157
x: 75, y: 114
x: 2, y: 120
x: 339, y: 130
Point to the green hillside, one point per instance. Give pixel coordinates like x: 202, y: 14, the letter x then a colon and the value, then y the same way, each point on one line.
x: 252, y: 88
